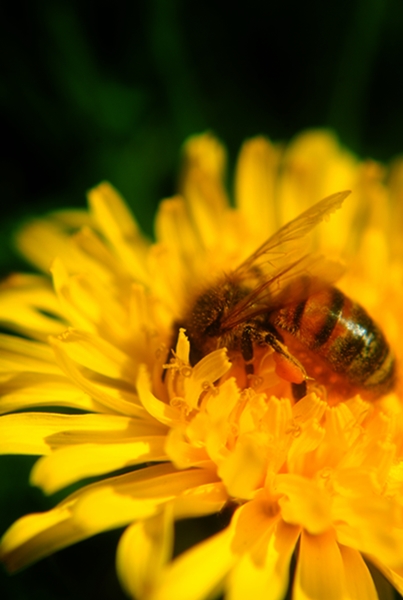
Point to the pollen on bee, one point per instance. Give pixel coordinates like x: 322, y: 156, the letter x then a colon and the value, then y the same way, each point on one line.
x: 288, y: 370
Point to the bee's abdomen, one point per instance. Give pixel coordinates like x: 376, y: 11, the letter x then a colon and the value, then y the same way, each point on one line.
x: 341, y: 332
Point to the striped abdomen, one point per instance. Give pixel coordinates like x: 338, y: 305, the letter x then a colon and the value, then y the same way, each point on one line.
x: 340, y: 333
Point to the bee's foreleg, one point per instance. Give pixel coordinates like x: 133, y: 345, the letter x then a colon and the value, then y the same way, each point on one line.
x: 248, y: 335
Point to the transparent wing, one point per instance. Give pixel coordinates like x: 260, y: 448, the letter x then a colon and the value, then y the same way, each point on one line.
x: 289, y: 240
x: 281, y: 272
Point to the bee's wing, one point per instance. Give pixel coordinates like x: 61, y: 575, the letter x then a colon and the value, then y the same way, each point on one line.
x: 280, y: 273
x: 287, y: 242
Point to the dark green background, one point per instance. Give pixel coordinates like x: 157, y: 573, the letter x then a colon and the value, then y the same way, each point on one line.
x: 110, y: 90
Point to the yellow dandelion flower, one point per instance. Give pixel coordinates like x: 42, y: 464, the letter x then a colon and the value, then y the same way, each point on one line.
x: 198, y: 426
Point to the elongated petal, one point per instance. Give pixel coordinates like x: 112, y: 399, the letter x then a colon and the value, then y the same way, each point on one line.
x: 113, y: 398
x: 28, y: 305
x: 30, y: 376
x: 205, y: 499
x: 44, y: 239
x: 364, y: 528
x: 183, y: 454
x: 100, y: 506
x: 17, y: 354
x: 255, y: 186
x: 173, y: 229
x: 264, y: 575
x: 309, y: 437
x: 394, y: 577
x: 359, y: 583
x: 143, y: 551
x: 159, y: 410
x: 87, y: 302
x: 100, y: 260
x: 202, y: 186
x: 40, y: 433
x: 204, y: 374
x: 320, y: 572
x: 27, y: 390
x: 184, y: 579
x: 119, y: 227
x: 76, y: 462
x: 125, y: 499
x: 93, y: 352
x: 35, y: 536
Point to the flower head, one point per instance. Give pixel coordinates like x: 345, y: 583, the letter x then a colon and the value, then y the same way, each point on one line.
x: 320, y: 479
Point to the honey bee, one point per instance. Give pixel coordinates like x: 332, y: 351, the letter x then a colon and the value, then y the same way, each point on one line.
x: 283, y: 297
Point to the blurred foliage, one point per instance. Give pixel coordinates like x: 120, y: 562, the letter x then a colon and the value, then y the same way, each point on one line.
x: 94, y: 90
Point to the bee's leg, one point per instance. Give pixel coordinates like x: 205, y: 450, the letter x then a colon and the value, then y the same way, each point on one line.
x: 287, y: 366
x: 248, y: 334
x: 299, y: 390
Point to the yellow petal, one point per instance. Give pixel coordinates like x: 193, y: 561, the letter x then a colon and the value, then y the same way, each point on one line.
x: 38, y: 535
x: 27, y: 305
x: 73, y: 218
x: 208, y: 370
x: 26, y: 390
x: 93, y: 352
x: 76, y: 462
x: 394, y: 576
x: 220, y: 405
x: 119, y: 227
x: 39, y: 433
x: 252, y: 521
x: 255, y: 186
x: 89, y: 304
x: 107, y: 509
x: 42, y: 240
x: 308, y: 408
x: 342, y: 427
x: 320, y: 572
x: 268, y: 578
x: 361, y: 525
x: 206, y: 152
x: 158, y: 480
x: 17, y: 354
x: 98, y: 259
x: 159, y: 410
x: 202, y: 186
x: 306, y: 439
x: 174, y: 229
x: 184, y: 579
x: 359, y: 583
x: 244, y: 469
x: 145, y: 325
x: 35, y: 536
x: 181, y: 452
x: 116, y: 399
x: 206, y: 200
x: 123, y: 499
x: 143, y: 551
x: 204, y: 499
x: 304, y: 502
x: 182, y: 348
